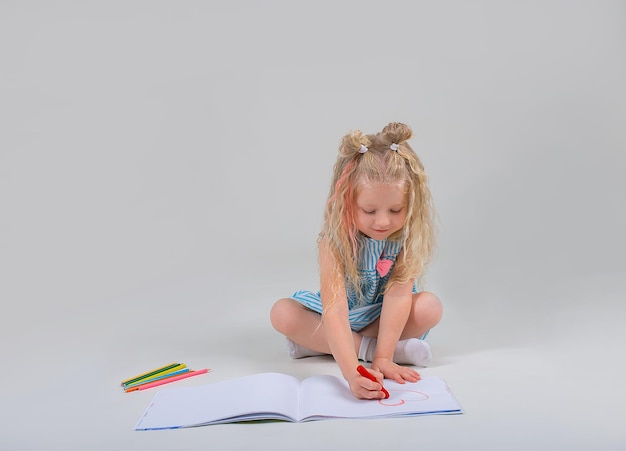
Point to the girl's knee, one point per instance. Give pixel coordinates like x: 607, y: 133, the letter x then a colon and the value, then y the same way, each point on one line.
x: 281, y: 313
x: 427, y: 309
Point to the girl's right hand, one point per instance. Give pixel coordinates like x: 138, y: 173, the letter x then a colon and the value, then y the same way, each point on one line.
x: 363, y: 388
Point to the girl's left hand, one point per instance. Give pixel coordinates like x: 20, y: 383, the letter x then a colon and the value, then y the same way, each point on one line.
x: 395, y: 372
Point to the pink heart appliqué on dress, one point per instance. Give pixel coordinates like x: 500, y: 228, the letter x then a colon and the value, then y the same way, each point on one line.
x: 383, y: 267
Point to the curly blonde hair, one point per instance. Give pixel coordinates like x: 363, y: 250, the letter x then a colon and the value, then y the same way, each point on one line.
x: 379, y: 164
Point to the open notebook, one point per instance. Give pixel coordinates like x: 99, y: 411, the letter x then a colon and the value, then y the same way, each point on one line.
x: 276, y: 396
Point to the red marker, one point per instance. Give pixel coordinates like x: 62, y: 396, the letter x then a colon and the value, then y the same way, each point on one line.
x: 363, y: 372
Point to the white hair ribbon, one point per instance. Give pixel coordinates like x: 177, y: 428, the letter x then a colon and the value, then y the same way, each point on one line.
x: 363, y: 149
x: 394, y: 146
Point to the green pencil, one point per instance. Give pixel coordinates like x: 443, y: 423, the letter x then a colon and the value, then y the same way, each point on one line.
x: 149, y: 373
x: 167, y: 373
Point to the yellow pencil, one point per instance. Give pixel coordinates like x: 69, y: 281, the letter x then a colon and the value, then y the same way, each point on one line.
x: 167, y: 380
x: 144, y: 380
x: 137, y: 385
x: 149, y: 373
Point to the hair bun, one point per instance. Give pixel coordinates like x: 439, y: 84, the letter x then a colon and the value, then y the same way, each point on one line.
x: 397, y: 132
x: 352, y: 142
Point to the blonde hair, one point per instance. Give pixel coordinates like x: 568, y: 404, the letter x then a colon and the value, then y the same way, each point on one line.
x: 379, y: 164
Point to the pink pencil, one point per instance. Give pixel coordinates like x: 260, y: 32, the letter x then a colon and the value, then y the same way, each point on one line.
x: 172, y: 379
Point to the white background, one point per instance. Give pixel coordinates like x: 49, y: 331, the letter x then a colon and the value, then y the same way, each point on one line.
x: 163, y: 168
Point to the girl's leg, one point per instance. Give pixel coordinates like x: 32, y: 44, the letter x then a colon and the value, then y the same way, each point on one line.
x: 302, y: 326
x: 425, y: 314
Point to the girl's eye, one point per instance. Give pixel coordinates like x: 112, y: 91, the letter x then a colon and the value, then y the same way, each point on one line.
x: 369, y: 212
x: 396, y: 211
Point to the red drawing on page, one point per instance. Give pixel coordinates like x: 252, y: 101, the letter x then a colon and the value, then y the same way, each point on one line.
x: 399, y: 397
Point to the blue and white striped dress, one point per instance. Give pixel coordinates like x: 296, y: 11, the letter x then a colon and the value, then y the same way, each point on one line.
x: 362, y: 311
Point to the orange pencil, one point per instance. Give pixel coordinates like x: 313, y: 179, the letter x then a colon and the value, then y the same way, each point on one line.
x: 154, y: 379
x: 150, y: 373
x: 168, y: 380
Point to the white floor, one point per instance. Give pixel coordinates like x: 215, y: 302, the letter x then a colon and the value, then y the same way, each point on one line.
x: 163, y: 169
x: 552, y: 384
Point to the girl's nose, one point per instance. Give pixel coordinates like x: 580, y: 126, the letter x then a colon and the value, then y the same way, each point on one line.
x: 382, y: 221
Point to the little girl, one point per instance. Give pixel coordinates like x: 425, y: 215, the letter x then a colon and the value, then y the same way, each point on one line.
x: 377, y: 238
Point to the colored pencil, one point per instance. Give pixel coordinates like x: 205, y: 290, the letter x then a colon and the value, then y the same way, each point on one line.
x: 169, y: 379
x: 149, y: 373
x: 174, y: 369
x: 156, y: 378
x: 139, y: 384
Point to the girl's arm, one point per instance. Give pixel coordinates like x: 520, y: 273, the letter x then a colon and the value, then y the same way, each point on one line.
x: 395, y: 313
x: 337, y: 327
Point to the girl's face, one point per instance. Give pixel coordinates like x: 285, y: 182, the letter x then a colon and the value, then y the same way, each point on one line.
x: 380, y: 209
